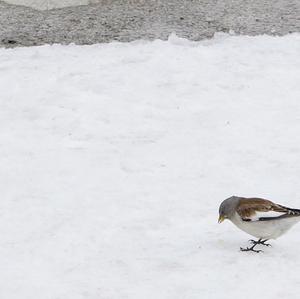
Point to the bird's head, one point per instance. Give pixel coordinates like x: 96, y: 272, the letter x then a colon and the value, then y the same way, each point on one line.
x: 227, y: 208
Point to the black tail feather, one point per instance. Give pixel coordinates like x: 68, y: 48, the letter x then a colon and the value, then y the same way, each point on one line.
x: 291, y: 211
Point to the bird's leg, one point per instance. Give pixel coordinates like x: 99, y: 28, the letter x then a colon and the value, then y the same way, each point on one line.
x: 252, y: 247
x: 260, y: 242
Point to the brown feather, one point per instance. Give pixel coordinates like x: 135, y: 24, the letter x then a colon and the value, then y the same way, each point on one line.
x: 247, y: 207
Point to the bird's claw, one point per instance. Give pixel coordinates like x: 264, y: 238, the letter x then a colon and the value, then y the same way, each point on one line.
x: 260, y: 242
x: 251, y: 249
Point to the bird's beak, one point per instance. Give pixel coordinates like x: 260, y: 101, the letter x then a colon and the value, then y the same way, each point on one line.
x: 221, y: 219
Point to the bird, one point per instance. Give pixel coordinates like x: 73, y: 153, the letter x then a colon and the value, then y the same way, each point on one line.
x: 261, y: 218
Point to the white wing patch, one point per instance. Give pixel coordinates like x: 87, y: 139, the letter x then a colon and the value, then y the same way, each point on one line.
x: 269, y: 214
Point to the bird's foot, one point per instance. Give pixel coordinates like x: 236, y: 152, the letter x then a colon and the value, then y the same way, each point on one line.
x: 251, y: 249
x: 260, y: 242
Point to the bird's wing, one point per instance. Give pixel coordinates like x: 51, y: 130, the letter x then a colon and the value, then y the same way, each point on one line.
x: 258, y: 209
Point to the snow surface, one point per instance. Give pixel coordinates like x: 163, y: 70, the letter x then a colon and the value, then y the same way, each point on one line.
x: 115, y: 158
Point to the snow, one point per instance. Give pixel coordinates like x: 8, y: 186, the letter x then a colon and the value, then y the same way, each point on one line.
x: 115, y: 158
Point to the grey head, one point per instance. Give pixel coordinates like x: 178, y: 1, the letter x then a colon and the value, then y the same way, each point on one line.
x: 227, y: 208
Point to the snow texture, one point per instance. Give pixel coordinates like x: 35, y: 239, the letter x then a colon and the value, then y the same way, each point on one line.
x: 115, y: 158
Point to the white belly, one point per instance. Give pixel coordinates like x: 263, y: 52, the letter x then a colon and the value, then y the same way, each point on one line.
x: 270, y: 229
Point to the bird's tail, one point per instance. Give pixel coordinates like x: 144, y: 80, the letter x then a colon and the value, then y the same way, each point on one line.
x: 291, y: 211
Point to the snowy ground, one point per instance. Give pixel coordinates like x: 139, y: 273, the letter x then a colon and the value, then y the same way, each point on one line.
x: 114, y: 159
